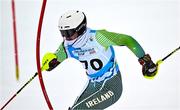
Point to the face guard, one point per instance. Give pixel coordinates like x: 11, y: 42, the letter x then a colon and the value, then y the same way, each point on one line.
x: 68, y: 33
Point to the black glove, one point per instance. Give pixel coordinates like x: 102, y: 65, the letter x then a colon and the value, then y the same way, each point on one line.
x: 53, y: 63
x: 49, y: 61
x: 149, y: 69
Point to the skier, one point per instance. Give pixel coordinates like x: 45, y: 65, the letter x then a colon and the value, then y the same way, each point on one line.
x: 93, y: 48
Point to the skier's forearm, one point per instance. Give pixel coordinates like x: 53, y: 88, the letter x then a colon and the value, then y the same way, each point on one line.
x: 134, y: 46
x: 61, y: 53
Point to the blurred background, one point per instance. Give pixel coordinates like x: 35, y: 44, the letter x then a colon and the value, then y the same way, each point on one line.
x: 155, y: 24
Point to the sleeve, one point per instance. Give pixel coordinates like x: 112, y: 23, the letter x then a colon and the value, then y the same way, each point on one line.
x: 61, y: 53
x: 107, y: 39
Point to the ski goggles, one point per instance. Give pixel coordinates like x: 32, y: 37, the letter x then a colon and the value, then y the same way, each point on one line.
x: 68, y: 33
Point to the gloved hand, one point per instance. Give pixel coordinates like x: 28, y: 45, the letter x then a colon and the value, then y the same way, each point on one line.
x: 49, y: 61
x: 149, y: 69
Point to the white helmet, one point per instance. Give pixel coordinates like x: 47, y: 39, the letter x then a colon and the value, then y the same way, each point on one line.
x: 71, y: 22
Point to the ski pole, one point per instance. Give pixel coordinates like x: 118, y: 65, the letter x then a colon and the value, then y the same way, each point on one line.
x: 19, y: 90
x: 42, y: 69
x: 161, y: 60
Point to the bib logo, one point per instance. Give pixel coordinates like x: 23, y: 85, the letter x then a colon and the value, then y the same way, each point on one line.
x: 82, y: 52
x: 99, y: 99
